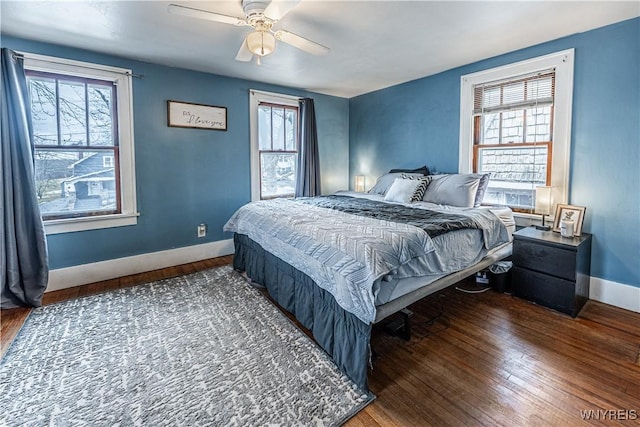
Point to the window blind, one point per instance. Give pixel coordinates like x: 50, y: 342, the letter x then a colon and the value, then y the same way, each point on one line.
x: 528, y: 91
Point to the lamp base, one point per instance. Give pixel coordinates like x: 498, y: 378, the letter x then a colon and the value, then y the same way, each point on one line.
x: 543, y: 227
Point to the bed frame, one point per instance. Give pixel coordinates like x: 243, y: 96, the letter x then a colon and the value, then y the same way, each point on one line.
x: 340, y: 333
x: 385, y: 310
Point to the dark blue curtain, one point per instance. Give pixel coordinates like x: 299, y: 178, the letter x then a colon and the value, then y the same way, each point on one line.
x: 308, y: 179
x: 23, y: 245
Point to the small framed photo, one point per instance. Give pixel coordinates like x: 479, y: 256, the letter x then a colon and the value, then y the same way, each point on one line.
x: 574, y: 213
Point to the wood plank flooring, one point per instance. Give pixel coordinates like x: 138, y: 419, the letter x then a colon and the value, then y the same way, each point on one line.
x: 476, y: 359
x: 493, y: 359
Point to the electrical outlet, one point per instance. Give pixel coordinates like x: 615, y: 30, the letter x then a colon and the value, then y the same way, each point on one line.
x: 202, y: 230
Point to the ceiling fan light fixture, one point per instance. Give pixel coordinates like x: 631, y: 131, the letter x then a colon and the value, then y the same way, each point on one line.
x: 261, y: 43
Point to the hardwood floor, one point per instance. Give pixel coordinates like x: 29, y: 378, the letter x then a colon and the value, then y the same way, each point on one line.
x: 477, y: 359
x: 493, y: 359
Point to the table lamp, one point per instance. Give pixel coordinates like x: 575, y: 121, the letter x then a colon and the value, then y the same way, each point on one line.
x: 543, y: 204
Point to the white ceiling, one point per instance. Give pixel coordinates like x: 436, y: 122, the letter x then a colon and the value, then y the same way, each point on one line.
x: 374, y: 44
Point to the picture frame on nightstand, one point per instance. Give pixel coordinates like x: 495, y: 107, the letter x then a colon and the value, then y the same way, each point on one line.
x: 570, y: 212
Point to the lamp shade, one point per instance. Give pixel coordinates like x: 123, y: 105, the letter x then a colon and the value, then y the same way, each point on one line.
x: 543, y: 200
x: 359, y: 183
x: 261, y: 43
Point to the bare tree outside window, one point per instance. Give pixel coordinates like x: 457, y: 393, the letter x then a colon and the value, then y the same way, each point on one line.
x: 76, y: 149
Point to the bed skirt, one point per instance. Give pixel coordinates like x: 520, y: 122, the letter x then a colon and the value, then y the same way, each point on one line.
x: 341, y: 334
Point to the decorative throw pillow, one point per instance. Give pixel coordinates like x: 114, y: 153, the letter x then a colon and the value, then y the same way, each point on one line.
x: 422, y: 187
x: 424, y: 170
x: 385, y: 182
x: 402, y: 190
x: 482, y: 188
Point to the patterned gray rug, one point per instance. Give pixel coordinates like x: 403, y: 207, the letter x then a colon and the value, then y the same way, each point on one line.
x: 202, y: 349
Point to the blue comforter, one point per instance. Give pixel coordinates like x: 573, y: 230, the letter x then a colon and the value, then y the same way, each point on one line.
x: 343, y: 248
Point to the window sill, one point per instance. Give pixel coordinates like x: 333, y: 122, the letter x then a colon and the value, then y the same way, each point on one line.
x: 58, y: 226
x: 527, y: 219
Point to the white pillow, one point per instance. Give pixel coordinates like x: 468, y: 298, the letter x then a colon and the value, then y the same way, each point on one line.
x: 402, y: 190
x: 385, y: 182
x: 453, y: 189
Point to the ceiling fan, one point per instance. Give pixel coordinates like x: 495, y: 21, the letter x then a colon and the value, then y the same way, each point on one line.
x: 261, y: 15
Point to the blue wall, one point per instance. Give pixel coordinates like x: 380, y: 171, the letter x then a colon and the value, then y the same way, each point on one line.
x: 418, y: 122
x: 185, y: 177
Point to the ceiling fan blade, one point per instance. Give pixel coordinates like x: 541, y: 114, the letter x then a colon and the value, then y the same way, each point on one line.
x: 301, y: 43
x: 277, y: 9
x: 244, y: 54
x: 205, y: 14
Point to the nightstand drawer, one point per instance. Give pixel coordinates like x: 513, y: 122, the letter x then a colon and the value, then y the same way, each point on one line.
x: 545, y: 258
x: 545, y: 290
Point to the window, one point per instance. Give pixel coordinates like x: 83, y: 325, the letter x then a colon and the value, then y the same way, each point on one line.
x: 75, y: 145
x: 512, y: 137
x: 278, y: 147
x: 83, y: 156
x: 107, y: 162
x: 516, y: 126
x: 274, y: 141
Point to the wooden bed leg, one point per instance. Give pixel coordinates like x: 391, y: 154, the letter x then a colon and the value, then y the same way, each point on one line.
x: 401, y: 327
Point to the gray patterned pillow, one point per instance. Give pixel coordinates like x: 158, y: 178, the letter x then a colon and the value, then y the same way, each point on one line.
x: 421, y: 188
x: 482, y: 188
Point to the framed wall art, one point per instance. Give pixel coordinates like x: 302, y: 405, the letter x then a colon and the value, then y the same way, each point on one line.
x: 569, y: 212
x: 196, y: 116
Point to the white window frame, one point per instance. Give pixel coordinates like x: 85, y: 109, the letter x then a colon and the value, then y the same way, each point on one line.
x: 107, y: 162
x: 122, y: 79
x: 562, y: 62
x: 255, y: 98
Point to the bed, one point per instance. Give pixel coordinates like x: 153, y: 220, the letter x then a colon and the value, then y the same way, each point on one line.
x: 343, y: 262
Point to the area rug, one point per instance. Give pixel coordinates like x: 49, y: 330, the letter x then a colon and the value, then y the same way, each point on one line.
x: 202, y: 349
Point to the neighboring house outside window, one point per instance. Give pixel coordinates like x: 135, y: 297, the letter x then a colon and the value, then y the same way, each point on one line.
x: 75, y: 145
x: 274, y: 145
x: 82, y: 130
x: 278, y: 146
x: 516, y: 126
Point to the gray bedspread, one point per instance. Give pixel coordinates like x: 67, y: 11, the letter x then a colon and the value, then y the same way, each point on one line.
x: 433, y: 222
x: 344, y: 251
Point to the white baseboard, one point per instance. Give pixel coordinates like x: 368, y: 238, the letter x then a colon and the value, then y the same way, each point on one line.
x: 605, y: 291
x: 614, y: 293
x: 77, y: 275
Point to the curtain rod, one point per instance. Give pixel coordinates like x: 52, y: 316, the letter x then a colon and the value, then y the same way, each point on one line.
x: 274, y: 94
x: 17, y: 55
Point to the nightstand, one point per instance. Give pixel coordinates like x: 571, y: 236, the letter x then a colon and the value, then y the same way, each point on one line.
x: 551, y: 270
